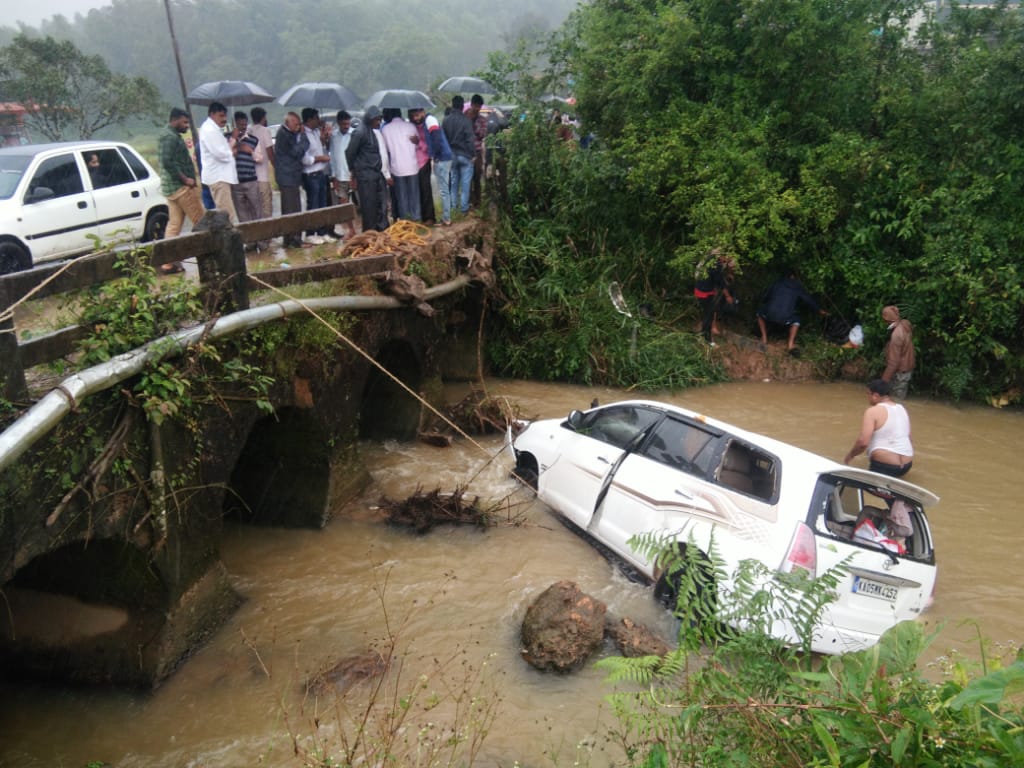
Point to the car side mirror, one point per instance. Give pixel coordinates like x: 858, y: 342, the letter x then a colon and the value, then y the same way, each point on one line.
x: 38, y: 193
x: 576, y: 420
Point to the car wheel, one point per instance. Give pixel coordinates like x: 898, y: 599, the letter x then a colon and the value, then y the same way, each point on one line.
x: 156, y: 225
x: 526, y: 472
x: 13, y: 258
x: 704, y: 594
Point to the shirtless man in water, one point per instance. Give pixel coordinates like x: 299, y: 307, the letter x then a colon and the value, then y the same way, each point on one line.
x: 884, y: 434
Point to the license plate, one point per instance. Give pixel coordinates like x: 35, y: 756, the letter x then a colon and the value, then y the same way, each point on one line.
x: 875, y: 589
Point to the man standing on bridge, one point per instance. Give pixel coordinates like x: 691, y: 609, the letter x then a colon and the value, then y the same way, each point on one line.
x: 371, y: 175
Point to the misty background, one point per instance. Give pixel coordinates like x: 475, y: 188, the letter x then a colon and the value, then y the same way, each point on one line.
x: 366, y: 45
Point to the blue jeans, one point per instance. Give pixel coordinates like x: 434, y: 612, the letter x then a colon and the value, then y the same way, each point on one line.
x: 443, y: 173
x: 462, y: 178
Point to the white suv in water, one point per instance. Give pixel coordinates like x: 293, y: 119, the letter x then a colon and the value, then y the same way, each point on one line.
x: 55, y: 199
x: 639, y: 467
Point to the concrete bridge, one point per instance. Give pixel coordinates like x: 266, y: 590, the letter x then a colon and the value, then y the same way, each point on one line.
x: 110, y: 522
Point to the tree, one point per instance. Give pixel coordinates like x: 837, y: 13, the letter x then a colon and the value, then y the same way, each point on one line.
x: 69, y: 94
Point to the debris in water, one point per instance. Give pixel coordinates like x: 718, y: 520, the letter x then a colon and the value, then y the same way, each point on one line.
x: 422, y: 511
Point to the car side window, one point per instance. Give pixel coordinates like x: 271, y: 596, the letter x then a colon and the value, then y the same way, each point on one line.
x: 58, y: 174
x: 681, y: 445
x: 107, y: 168
x: 748, y: 470
x: 618, y: 425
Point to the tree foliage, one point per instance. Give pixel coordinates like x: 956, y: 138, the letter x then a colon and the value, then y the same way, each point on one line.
x: 878, y: 156
x: 68, y: 94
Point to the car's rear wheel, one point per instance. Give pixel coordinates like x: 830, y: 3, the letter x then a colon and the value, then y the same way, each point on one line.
x: 13, y: 258
x: 156, y: 225
x: 701, y: 599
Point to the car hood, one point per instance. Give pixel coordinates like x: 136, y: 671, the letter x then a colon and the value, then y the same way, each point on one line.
x: 902, y: 487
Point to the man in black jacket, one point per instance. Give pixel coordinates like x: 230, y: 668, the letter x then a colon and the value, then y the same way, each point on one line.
x: 458, y: 129
x: 367, y: 169
x: 289, y: 147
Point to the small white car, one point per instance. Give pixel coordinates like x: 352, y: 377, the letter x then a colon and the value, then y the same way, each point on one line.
x: 638, y: 466
x: 54, y: 197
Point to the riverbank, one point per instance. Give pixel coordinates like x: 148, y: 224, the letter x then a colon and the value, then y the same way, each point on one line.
x: 745, y: 358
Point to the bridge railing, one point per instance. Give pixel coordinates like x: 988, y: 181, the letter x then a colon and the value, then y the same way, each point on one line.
x: 219, y: 250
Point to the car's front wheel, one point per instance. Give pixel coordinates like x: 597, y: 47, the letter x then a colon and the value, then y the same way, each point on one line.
x: 156, y: 225
x: 13, y: 258
x: 526, y: 472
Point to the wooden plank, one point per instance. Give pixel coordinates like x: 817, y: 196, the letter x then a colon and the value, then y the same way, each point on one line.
x: 364, y: 265
x: 51, y: 346
x: 264, y: 229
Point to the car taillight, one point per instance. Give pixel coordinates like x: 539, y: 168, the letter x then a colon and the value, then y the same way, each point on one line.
x: 803, y: 551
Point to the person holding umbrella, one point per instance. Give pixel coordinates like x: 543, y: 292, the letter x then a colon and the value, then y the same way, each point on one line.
x: 371, y: 176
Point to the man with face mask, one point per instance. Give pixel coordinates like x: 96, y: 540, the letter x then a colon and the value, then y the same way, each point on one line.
x: 371, y: 175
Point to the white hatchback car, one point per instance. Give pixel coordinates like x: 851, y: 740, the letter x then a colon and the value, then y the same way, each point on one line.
x: 638, y: 467
x: 55, y: 198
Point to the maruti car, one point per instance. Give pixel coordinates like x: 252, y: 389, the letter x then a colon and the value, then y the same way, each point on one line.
x: 638, y: 467
x: 55, y: 199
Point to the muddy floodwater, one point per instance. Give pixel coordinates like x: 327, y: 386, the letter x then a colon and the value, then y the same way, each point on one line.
x: 452, y: 600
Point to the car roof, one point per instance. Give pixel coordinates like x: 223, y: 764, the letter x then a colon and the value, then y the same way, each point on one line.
x: 37, y: 149
x: 807, y: 461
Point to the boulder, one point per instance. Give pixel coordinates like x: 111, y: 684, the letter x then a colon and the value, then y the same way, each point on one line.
x: 634, y: 639
x: 562, y: 628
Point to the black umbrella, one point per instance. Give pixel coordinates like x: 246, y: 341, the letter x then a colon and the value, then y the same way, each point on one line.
x: 398, y: 99
x: 326, y: 96
x: 466, y: 84
x: 229, y: 93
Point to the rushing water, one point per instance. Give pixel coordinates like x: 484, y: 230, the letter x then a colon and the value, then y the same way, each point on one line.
x: 456, y: 597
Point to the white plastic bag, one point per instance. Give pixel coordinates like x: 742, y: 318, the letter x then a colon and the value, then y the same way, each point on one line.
x: 856, y: 335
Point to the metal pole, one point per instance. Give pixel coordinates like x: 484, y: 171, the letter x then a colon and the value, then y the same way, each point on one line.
x: 181, y: 80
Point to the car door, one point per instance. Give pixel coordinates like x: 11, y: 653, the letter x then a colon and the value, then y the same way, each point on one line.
x: 57, y: 215
x: 882, y: 586
x: 587, y: 454
x: 120, y: 198
x: 661, y: 487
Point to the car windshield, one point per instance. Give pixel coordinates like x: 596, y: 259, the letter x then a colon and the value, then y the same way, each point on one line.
x: 12, y: 168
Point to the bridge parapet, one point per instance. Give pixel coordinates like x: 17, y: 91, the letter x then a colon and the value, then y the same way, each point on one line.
x: 121, y: 516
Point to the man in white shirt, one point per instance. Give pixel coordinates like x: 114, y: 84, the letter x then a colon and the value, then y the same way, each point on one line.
x: 314, y: 172
x: 340, y: 176
x: 217, y: 157
x: 401, y: 138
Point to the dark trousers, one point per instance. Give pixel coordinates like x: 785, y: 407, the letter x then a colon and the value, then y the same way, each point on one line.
x: 291, y: 202
x: 315, y: 185
x: 373, y: 200
x: 426, y: 193
x: 708, y: 308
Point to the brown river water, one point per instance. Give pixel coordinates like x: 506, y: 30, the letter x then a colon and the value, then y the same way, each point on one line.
x: 453, y: 600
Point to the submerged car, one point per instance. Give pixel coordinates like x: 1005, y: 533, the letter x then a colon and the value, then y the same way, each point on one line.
x: 641, y: 467
x: 56, y: 199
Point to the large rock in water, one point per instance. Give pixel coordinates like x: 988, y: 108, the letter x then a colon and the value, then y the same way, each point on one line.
x: 562, y: 628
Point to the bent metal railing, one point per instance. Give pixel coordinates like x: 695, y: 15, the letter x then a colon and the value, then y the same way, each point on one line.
x: 218, y: 248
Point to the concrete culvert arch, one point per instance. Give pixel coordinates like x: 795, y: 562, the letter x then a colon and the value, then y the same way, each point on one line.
x: 88, y: 612
x: 388, y: 411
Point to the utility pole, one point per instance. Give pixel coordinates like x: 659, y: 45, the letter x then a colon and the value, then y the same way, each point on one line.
x: 181, y: 80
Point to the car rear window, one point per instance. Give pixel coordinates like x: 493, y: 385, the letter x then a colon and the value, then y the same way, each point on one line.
x: 12, y: 168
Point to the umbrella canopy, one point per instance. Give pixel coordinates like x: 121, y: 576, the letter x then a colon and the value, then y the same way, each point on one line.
x: 329, y: 96
x: 466, y: 84
x: 399, y: 99
x: 230, y: 93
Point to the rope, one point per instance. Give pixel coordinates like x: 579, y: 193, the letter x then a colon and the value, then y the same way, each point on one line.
x: 402, y: 237
x: 373, y: 362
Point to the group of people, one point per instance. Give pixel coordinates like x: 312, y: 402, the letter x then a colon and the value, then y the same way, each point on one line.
x: 385, y: 166
x: 885, y: 426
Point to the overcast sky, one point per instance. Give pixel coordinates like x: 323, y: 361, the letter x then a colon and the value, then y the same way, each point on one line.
x: 35, y: 11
